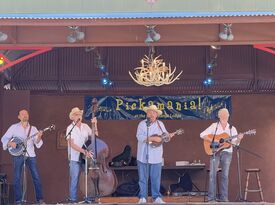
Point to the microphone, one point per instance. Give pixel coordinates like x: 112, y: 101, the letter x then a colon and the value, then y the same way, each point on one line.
x: 148, y: 121
x: 77, y: 121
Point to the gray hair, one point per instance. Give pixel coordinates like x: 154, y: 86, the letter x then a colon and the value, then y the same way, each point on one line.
x: 223, y: 110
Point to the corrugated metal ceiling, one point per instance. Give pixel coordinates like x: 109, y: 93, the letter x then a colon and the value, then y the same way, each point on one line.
x: 240, y: 69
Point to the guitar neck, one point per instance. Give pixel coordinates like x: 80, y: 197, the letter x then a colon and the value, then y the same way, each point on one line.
x: 33, y: 135
x: 230, y: 138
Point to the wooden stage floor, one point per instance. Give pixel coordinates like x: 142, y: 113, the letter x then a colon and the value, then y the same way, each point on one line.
x: 195, y: 200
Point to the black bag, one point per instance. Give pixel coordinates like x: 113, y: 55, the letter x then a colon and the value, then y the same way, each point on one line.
x: 122, y: 159
x: 132, y: 189
x: 185, y: 184
x: 127, y: 189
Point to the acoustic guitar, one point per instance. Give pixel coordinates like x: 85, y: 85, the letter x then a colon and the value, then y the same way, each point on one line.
x: 164, y: 137
x: 223, y: 140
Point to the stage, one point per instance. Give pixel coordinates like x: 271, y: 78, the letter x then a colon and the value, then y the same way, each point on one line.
x: 196, y: 200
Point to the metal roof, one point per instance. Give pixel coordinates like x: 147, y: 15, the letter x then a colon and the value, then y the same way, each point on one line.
x: 136, y: 15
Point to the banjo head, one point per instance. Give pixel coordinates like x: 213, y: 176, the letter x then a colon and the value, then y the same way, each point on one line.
x: 19, y: 147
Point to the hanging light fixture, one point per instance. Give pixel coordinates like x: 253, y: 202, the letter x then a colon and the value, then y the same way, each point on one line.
x: 153, y: 71
x: 152, y: 35
x: 75, y: 34
x: 227, y: 34
x: 3, y: 36
x: 210, y: 67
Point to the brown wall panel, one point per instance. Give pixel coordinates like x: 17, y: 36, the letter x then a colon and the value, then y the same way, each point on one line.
x: 249, y: 111
x: 12, y: 102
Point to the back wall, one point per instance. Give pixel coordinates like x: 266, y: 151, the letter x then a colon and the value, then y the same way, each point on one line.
x: 248, y: 112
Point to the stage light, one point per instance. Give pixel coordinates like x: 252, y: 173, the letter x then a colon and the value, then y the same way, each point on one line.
x: 2, y: 60
x: 106, y: 82
x: 102, y: 68
x: 3, y: 37
x: 75, y: 34
x: 216, y: 47
x: 152, y: 35
x: 227, y: 34
x: 208, y: 82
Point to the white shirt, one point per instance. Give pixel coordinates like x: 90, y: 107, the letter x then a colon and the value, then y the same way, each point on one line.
x: 155, y: 154
x: 212, y: 128
x: 79, y: 136
x: 17, y: 130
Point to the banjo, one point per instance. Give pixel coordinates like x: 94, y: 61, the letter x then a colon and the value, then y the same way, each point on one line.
x: 21, y: 144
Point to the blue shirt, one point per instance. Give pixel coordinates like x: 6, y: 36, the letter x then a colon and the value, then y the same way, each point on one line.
x: 155, y: 153
x: 17, y: 130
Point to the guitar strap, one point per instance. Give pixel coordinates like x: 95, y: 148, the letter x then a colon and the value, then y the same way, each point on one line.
x: 159, y: 127
x: 29, y: 132
x: 216, y: 129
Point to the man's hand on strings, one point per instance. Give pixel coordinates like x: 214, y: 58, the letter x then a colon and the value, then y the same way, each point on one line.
x: 89, y: 154
x: 94, y: 120
x: 240, y: 136
x: 12, y: 144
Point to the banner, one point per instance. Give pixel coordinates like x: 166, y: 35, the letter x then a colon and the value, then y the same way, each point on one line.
x: 173, y: 107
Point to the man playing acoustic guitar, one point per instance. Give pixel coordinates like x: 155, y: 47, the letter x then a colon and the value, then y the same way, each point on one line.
x: 223, y: 155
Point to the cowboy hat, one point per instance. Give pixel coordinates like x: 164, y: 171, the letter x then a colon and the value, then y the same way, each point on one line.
x: 74, y: 111
x: 154, y: 108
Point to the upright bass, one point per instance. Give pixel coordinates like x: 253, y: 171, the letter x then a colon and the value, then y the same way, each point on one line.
x: 102, y: 180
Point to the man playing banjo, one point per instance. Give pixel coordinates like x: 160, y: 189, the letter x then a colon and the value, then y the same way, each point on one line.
x: 23, y: 130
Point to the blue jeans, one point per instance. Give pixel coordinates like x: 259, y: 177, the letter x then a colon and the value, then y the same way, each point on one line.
x: 75, y: 168
x: 224, y: 159
x: 155, y: 177
x: 18, y: 167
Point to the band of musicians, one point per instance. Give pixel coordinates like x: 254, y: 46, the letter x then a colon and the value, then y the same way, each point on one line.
x: 22, y: 139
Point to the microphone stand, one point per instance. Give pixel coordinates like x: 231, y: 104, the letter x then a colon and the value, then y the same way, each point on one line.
x: 240, y: 197
x: 214, y: 146
x: 69, y: 153
x: 237, y: 147
x: 24, y: 183
x: 148, y: 123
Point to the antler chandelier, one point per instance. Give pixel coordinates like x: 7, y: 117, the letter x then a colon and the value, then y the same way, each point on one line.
x: 153, y: 71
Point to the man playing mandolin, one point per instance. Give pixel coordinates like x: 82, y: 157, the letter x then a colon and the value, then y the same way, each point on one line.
x: 77, y: 134
x: 150, y: 155
x: 223, y: 156
x: 22, y: 130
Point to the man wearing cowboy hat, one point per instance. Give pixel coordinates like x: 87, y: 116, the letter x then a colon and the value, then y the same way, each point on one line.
x: 149, y: 159
x: 76, y: 139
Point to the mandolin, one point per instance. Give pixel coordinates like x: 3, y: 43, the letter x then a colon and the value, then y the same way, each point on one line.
x: 224, y: 140
x: 164, y: 137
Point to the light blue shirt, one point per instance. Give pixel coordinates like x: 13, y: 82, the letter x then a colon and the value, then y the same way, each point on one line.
x: 17, y: 130
x: 155, y: 154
